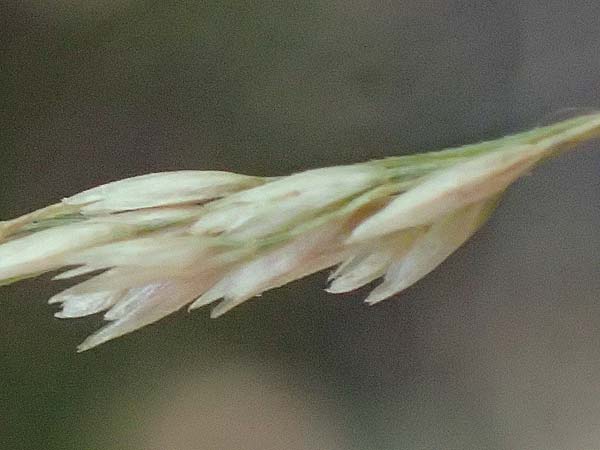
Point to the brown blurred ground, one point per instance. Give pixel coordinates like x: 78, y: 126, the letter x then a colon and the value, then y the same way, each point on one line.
x: 498, y: 349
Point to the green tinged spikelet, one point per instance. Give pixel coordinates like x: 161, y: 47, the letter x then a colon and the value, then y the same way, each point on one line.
x: 162, y: 241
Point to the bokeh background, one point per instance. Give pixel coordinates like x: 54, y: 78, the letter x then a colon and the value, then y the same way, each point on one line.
x: 497, y: 349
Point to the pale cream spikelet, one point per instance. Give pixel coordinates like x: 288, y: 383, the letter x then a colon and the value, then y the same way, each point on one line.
x: 157, y: 243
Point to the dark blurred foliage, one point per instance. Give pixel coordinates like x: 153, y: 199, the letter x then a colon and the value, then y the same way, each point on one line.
x: 498, y: 349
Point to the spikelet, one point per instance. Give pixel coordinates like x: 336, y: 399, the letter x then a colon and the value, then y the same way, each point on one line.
x: 166, y: 240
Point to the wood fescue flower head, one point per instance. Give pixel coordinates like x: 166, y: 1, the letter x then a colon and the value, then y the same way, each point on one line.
x: 158, y: 242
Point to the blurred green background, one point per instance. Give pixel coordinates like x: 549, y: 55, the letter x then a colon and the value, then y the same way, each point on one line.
x: 498, y: 349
